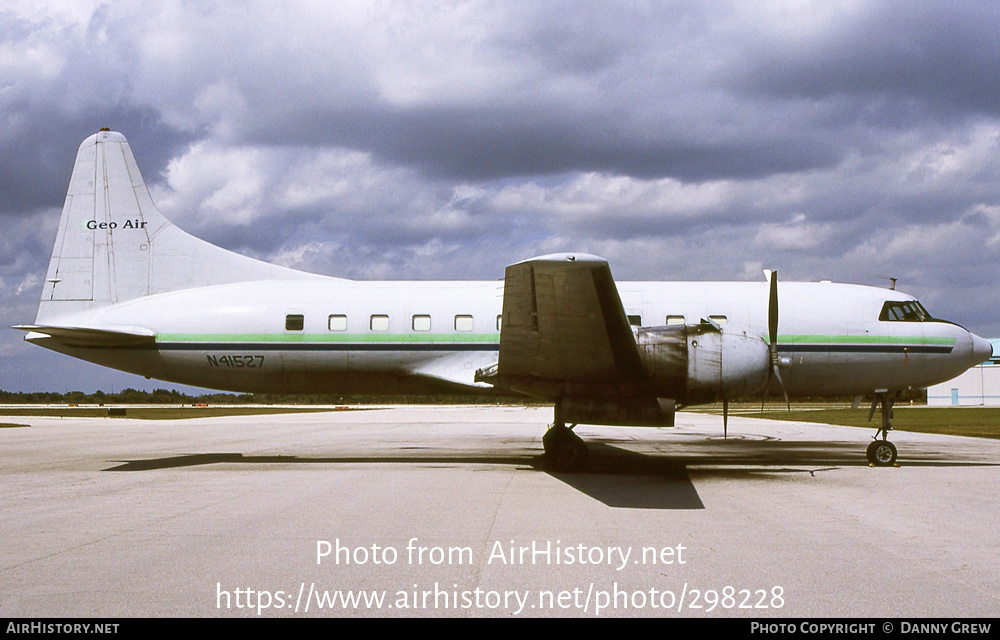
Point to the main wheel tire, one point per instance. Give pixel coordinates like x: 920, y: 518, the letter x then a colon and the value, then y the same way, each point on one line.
x: 564, y: 450
x: 554, y: 436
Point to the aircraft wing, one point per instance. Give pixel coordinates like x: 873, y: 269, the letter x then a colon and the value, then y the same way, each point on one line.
x: 90, y: 337
x: 453, y: 369
x: 564, y: 331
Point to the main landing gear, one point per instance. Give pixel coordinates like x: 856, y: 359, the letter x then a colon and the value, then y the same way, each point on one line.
x: 882, y: 453
x: 564, y: 450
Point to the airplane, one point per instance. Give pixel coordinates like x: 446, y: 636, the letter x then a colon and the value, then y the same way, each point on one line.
x: 128, y: 289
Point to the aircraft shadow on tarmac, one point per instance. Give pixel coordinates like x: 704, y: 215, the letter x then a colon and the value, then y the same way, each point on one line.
x: 616, y: 476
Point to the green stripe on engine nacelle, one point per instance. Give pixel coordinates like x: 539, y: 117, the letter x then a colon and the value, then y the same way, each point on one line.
x: 820, y: 339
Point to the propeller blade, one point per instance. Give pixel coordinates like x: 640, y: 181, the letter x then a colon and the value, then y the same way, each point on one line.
x: 725, y: 419
x: 772, y: 341
x: 781, y: 383
x: 772, y: 314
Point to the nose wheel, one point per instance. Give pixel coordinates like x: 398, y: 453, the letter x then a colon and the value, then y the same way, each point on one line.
x: 881, y: 453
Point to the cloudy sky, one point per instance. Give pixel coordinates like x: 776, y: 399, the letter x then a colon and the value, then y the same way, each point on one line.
x: 445, y: 140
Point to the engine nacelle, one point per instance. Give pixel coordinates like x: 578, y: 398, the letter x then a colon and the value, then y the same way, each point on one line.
x: 704, y: 362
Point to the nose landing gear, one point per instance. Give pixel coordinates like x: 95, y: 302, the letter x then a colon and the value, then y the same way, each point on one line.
x: 882, y: 453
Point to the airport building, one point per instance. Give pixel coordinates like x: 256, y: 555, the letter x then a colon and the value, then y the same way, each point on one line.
x: 979, y: 386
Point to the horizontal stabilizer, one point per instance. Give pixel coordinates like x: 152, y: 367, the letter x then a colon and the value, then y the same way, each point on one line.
x: 89, y: 337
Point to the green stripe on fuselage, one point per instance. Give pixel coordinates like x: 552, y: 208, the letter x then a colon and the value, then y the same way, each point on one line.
x: 328, y: 337
x: 488, y: 338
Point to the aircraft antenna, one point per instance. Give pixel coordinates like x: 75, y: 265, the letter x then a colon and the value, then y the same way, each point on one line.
x: 892, y: 281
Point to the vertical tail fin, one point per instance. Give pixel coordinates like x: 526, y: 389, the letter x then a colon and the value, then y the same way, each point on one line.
x: 114, y: 245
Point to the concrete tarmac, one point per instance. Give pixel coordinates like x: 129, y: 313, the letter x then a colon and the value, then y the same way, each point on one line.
x: 449, y: 511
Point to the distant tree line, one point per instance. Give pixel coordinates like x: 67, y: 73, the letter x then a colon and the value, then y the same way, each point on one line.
x: 169, y: 396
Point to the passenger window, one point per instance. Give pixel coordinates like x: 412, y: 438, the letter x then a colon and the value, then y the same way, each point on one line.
x: 463, y: 323
x: 719, y: 319
x: 295, y: 322
x: 337, y: 323
x: 672, y: 320
x: 379, y: 323
x: 635, y: 321
x: 422, y: 323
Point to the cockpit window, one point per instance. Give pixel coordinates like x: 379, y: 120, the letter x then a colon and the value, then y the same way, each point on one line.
x: 910, y: 311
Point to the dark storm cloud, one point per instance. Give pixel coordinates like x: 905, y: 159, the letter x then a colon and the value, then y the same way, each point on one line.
x: 470, y: 143
x: 38, y: 157
x: 545, y: 90
x: 896, y: 66
x: 657, y: 100
x: 25, y: 245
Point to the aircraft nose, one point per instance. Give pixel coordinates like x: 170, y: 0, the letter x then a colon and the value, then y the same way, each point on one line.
x: 982, y: 350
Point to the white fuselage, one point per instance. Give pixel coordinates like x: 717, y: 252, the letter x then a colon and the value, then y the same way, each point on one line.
x: 416, y: 336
